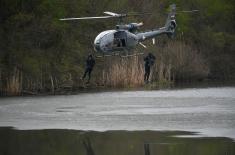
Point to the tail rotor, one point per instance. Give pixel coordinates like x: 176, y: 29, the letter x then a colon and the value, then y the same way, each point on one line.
x: 171, y: 22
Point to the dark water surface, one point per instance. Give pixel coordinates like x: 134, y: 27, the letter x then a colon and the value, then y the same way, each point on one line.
x: 73, y: 142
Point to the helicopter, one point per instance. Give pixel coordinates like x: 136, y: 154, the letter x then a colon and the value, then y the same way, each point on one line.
x: 126, y: 36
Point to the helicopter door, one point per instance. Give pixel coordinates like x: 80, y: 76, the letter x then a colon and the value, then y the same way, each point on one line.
x: 120, y: 39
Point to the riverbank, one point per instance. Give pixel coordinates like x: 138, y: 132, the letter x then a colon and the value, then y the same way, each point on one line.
x: 94, y: 87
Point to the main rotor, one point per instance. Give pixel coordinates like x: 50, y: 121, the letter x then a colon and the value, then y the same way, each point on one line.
x: 132, y: 27
x: 109, y: 15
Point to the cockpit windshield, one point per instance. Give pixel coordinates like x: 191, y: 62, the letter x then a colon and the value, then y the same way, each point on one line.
x: 101, y: 35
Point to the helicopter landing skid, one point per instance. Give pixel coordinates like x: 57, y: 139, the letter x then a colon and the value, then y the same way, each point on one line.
x: 131, y: 55
x: 107, y: 55
x: 118, y: 54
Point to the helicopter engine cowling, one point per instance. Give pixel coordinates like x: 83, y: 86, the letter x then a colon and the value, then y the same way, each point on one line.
x: 130, y: 27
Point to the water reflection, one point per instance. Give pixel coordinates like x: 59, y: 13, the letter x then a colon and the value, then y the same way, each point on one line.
x: 146, y: 149
x: 88, y: 147
x: 56, y: 142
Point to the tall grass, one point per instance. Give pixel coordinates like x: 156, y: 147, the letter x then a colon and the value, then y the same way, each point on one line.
x: 175, y: 60
x: 123, y: 72
x: 13, y: 83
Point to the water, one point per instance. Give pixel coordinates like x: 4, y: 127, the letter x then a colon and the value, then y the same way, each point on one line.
x: 207, y: 112
x: 49, y: 142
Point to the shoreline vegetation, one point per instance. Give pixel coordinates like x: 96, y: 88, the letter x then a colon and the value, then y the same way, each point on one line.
x: 40, y: 54
x: 94, y: 88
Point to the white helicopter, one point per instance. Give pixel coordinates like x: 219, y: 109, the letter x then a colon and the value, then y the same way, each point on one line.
x: 125, y: 37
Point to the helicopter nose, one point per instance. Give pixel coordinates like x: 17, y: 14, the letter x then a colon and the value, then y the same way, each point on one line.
x: 97, y: 47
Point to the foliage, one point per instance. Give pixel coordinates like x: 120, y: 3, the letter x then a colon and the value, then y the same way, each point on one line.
x: 45, y: 52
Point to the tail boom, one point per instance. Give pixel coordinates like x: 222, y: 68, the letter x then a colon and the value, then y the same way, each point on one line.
x: 168, y: 29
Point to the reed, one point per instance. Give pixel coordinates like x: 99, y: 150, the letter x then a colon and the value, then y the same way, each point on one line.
x: 123, y: 72
x: 14, y: 83
x: 175, y: 60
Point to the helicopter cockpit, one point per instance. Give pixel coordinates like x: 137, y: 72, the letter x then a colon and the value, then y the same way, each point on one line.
x: 110, y: 40
x: 103, y: 42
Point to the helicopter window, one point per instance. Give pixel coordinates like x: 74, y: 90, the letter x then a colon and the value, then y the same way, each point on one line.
x: 120, y: 39
x: 123, y: 42
x: 117, y: 42
x: 120, y: 42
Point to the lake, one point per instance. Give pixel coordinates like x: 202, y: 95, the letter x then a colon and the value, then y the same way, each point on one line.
x: 179, y: 121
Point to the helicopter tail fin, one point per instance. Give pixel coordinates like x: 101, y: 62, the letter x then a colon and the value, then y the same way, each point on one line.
x: 170, y: 25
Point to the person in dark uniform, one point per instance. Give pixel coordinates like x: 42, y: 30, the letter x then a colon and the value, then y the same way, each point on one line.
x: 148, y: 62
x: 90, y: 63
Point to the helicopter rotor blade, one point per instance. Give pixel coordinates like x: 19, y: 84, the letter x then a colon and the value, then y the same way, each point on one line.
x: 138, y: 14
x: 101, y: 17
x: 127, y: 14
x: 188, y: 11
x: 112, y: 13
